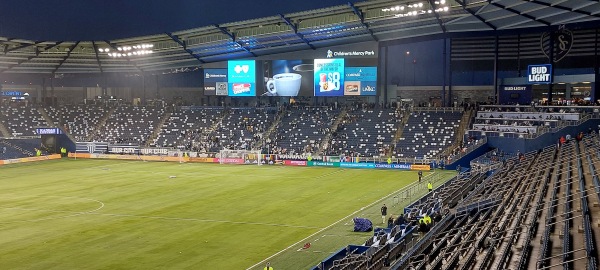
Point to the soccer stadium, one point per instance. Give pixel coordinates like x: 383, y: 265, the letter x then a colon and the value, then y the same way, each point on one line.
x: 324, y: 135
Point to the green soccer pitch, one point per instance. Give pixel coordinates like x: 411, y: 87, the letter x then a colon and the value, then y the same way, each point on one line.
x: 105, y: 214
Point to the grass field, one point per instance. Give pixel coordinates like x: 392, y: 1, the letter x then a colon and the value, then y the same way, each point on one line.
x: 101, y: 214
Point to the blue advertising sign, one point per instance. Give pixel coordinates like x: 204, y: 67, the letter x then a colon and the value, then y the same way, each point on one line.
x: 404, y: 166
x: 329, y: 77
x: 215, y: 75
x: 539, y: 74
x: 241, y: 76
x: 215, y: 82
x: 11, y: 93
x: 48, y: 131
x: 515, y: 94
x: 360, y: 81
x: 357, y: 165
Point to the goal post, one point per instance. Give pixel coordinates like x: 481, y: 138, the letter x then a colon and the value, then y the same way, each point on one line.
x: 249, y: 157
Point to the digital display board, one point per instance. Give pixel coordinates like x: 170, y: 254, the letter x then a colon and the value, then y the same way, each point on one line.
x: 288, y: 78
x: 329, y: 77
x: 241, y: 78
x: 360, y: 81
x: 215, y: 82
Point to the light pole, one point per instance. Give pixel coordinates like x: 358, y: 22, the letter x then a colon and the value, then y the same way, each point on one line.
x: 404, y: 68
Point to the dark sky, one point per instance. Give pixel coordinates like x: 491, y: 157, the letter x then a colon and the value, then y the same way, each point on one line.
x: 58, y: 20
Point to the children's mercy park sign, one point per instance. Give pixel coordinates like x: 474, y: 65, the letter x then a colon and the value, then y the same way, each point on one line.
x: 541, y: 74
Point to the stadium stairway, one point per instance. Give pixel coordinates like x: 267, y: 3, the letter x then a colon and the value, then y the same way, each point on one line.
x: 51, y: 123
x: 3, y: 131
x: 334, y: 127
x: 158, y: 128
x: 399, y: 131
x: 101, y: 124
x: 465, y: 123
x: 46, y: 117
x: 215, y: 125
x: 272, y: 128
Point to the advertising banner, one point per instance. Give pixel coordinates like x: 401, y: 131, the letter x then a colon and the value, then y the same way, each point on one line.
x: 202, y: 160
x: 123, y: 149
x: 329, y: 77
x: 360, y: 81
x: 48, y: 131
x: 515, y: 94
x: 29, y: 159
x: 357, y: 165
x: 539, y: 74
x: 241, y: 76
x: 215, y: 82
x: 295, y: 162
x: 404, y: 166
x: 323, y: 164
x: 158, y: 151
x: 418, y: 167
x: 229, y: 160
x: 91, y: 147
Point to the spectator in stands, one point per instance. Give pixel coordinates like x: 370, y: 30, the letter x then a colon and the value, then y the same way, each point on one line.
x: 400, y: 220
x: 562, y: 140
x: 4, y: 150
x: 390, y: 222
x: 579, y: 136
x: 383, y: 213
x: 521, y: 156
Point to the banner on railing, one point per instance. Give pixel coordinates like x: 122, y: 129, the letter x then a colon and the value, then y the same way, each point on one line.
x: 91, y: 147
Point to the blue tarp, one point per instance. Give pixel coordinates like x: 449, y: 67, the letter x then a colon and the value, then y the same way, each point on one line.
x: 362, y: 225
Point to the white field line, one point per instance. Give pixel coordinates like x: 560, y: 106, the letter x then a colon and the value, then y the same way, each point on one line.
x: 322, y: 230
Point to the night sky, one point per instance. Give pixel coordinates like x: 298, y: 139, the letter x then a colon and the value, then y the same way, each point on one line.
x: 59, y: 20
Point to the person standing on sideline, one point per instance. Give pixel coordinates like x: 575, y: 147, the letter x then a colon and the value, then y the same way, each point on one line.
x: 429, y: 186
x: 420, y: 176
x: 383, y: 213
x: 268, y: 267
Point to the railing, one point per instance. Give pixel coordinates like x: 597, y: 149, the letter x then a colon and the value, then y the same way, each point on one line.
x: 470, y: 148
x: 398, y: 160
x: 438, y: 109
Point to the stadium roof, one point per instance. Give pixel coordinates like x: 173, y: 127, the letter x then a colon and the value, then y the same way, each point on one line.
x: 378, y: 20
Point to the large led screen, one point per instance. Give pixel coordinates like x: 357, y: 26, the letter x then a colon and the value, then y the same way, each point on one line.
x: 288, y: 78
x: 215, y: 82
x: 241, y: 76
x: 329, y: 77
x: 360, y: 81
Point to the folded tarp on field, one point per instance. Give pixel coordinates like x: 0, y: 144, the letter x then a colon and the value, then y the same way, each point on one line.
x: 362, y: 225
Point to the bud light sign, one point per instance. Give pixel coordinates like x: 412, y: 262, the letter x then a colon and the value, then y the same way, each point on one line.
x: 539, y: 74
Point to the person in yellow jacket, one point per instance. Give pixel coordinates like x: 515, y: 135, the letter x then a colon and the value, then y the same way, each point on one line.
x: 427, y: 219
x: 268, y: 267
x: 429, y: 186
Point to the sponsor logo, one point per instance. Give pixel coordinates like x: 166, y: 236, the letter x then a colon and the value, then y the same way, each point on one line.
x: 351, y: 88
x: 563, y: 42
x: 241, y: 68
x: 208, y: 76
x: 539, y: 74
x: 331, y: 54
x: 239, y: 88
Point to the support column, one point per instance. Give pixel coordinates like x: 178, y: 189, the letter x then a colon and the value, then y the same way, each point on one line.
x: 496, y: 69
